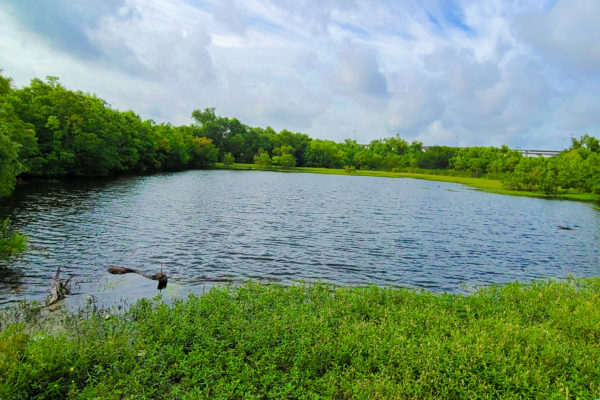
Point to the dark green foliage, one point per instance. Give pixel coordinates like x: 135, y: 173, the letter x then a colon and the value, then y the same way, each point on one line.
x: 577, y: 168
x: 478, y: 160
x: 436, y: 157
x: 368, y: 159
x: 325, y: 154
x: 257, y: 341
x: 9, y: 164
x: 47, y: 130
x: 11, y: 243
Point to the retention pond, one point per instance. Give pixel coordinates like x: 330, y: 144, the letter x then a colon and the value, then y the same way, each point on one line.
x: 211, y: 227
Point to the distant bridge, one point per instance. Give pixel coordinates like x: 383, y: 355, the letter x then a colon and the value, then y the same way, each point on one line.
x: 525, y: 152
x: 545, y: 153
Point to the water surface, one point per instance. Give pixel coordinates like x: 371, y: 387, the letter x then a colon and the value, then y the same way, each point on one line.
x: 234, y: 226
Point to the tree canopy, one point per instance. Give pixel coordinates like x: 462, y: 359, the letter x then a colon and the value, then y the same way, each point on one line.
x: 47, y: 130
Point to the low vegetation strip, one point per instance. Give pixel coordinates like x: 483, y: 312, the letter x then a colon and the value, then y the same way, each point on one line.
x: 539, y: 340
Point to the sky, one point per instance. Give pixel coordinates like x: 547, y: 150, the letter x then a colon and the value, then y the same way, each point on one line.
x: 523, y: 73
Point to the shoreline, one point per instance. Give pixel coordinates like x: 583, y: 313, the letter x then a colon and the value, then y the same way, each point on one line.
x: 482, y: 184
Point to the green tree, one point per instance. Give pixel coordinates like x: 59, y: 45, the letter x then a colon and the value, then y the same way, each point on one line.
x: 10, y: 166
x: 590, y: 170
x: 415, y: 147
x: 296, y: 143
x: 178, y: 154
x: 548, y: 181
x: 527, y: 174
x: 287, y: 161
x: 202, y: 153
x: 326, y: 154
x: 587, y: 142
x: 350, y: 147
x: 262, y: 159
x: 16, y: 130
x: 436, y: 157
x: 283, y: 156
x: 204, y: 116
x: 368, y: 159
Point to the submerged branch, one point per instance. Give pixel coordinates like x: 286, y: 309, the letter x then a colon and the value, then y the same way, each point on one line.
x: 160, y: 277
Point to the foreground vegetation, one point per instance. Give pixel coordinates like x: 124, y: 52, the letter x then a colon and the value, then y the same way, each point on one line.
x: 539, y: 340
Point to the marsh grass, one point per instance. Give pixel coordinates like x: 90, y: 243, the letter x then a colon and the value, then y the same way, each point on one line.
x: 540, y: 340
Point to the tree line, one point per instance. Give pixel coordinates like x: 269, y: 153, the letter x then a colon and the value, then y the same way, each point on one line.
x: 47, y: 130
x: 577, y: 167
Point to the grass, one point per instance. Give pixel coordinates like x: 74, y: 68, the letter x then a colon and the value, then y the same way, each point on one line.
x: 483, y: 184
x: 538, y: 341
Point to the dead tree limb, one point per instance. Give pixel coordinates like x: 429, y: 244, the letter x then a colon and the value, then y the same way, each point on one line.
x: 60, y: 288
x: 160, y: 277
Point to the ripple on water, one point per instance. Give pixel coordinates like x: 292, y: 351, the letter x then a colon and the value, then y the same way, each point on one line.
x: 205, y: 227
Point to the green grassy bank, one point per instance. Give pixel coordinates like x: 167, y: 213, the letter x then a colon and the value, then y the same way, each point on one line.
x: 517, y: 341
x: 483, y: 184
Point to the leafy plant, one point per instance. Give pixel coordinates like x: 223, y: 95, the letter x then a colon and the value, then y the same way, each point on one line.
x: 228, y: 159
x: 11, y: 243
x: 263, y: 160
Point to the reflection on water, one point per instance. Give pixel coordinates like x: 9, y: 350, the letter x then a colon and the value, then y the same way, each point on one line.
x: 11, y: 281
x: 211, y: 227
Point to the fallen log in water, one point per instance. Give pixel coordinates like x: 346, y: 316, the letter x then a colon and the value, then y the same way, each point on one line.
x: 160, y: 277
x: 122, y: 270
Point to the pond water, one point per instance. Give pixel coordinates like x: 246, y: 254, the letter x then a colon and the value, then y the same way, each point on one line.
x: 212, y: 227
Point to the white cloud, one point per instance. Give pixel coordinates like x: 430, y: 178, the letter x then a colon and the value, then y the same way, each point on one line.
x: 568, y: 34
x: 356, y: 72
x: 489, y: 72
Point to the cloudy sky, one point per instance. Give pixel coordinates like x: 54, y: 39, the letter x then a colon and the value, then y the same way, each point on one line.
x: 523, y: 73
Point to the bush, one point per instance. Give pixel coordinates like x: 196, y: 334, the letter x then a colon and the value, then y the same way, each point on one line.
x: 263, y: 160
x: 11, y: 243
x: 228, y: 160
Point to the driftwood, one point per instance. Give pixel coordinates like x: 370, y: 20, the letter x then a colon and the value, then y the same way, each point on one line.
x: 122, y: 270
x: 160, y: 277
x: 566, y: 228
x: 60, y: 288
